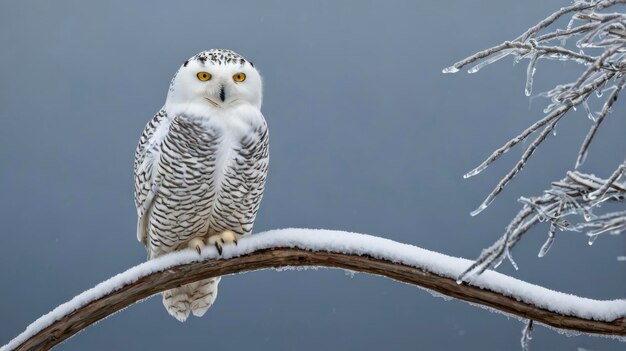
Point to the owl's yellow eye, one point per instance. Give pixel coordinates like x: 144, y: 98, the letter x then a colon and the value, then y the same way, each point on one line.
x: 239, y: 77
x: 203, y: 76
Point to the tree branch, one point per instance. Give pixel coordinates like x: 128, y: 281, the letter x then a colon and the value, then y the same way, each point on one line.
x: 323, y: 248
x: 577, y: 194
x: 601, y: 32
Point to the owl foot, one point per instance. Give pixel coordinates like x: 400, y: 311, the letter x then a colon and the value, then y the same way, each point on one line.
x: 197, y: 244
x: 220, y: 240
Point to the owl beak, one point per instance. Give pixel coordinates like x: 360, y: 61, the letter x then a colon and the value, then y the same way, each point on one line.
x: 222, y: 93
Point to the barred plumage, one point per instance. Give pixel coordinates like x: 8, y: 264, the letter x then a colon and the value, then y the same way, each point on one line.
x: 200, y: 167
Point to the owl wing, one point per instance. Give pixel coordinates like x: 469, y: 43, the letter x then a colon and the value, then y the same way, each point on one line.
x: 252, y: 164
x: 146, y: 163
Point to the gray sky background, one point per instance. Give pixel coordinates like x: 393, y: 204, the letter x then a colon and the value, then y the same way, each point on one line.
x: 367, y: 135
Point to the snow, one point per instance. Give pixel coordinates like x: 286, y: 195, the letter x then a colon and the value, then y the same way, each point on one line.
x: 347, y: 243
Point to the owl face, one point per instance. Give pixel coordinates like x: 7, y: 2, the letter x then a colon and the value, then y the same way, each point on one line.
x: 215, y: 79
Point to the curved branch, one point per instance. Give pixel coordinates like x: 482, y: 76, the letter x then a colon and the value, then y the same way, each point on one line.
x: 324, y: 248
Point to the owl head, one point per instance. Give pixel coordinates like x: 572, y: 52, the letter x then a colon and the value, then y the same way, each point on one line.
x: 215, y: 79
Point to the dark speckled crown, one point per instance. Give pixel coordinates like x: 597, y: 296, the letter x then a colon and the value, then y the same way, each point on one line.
x: 219, y: 57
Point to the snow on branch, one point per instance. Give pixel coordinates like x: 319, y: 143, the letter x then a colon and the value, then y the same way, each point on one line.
x: 326, y: 248
x: 600, y: 46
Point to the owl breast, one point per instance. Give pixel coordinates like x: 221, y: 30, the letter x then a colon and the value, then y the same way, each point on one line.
x: 210, y: 178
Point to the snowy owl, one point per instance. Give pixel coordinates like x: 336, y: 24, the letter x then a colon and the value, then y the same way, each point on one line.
x: 200, y: 167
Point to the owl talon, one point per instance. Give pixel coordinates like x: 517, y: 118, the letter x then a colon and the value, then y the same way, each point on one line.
x: 222, y: 239
x: 197, y: 244
x: 218, y: 246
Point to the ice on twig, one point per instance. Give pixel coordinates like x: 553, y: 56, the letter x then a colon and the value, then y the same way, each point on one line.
x: 547, y: 245
x: 527, y: 335
x: 592, y: 24
x: 480, y: 208
x: 566, y: 197
x: 530, y: 72
x: 450, y: 69
x: 490, y: 60
x: 590, y: 114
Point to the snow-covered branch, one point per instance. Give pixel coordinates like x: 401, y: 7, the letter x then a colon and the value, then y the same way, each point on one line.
x: 334, y: 249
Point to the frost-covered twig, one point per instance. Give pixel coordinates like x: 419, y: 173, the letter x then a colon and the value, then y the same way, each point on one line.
x: 582, y: 154
x: 602, y: 33
x: 527, y: 335
x: 613, y: 223
x: 325, y: 248
x: 576, y: 194
x: 579, y: 6
x: 599, y: 28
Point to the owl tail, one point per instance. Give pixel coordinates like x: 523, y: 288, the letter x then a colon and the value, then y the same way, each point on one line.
x: 193, y: 298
